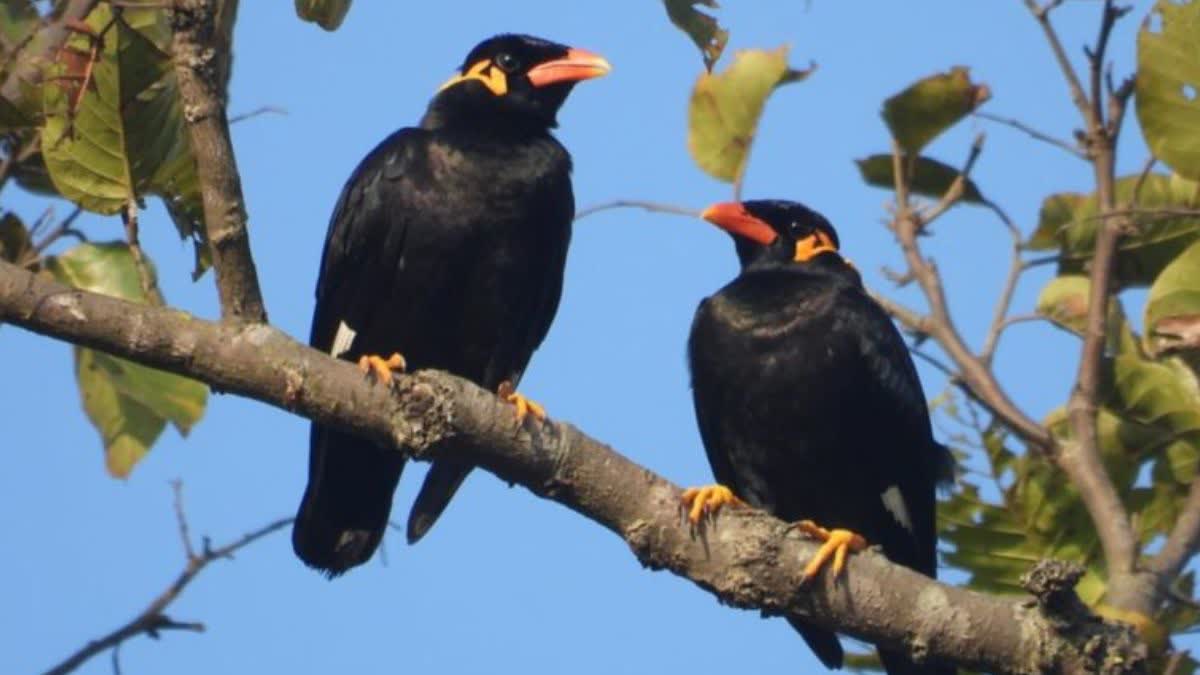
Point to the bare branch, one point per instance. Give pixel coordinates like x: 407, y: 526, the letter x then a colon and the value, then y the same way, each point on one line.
x: 653, y: 207
x: 1046, y: 138
x: 1183, y: 541
x: 201, y: 56
x: 1015, y: 268
x: 258, y: 112
x: 30, y: 62
x: 939, y: 325
x: 153, y: 619
x: 129, y: 216
x: 1078, y: 96
x: 750, y: 560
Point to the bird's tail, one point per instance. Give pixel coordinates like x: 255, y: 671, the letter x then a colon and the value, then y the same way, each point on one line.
x: 347, y: 502
x: 895, y: 663
x: 439, y: 487
x: 823, y: 643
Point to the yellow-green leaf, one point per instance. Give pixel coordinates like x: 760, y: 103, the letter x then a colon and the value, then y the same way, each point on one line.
x: 703, y: 29
x: 1071, y: 222
x: 724, y: 110
x: 114, y: 131
x: 931, y: 105
x: 1173, y: 306
x: 929, y: 178
x: 1168, y: 85
x: 327, y: 14
x: 128, y: 403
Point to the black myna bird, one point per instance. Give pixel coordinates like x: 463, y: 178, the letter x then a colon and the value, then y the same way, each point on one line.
x: 446, y: 250
x: 809, y: 405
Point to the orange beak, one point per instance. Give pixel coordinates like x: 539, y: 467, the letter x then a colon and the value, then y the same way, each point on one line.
x: 577, y: 65
x: 733, y: 218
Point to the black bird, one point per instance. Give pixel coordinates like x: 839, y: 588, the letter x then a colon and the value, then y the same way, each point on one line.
x: 447, y: 245
x: 809, y: 405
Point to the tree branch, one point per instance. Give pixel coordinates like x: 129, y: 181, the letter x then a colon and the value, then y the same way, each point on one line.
x: 201, y: 54
x: 653, y: 207
x: 1183, y: 541
x: 748, y: 560
x: 1034, y: 133
x: 939, y: 325
x: 152, y: 620
x: 30, y: 61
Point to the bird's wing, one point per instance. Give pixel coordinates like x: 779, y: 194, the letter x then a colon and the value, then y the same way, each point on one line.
x: 365, y: 241
x: 911, y: 464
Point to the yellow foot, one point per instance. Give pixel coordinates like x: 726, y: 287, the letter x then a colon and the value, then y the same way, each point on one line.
x: 525, y: 406
x: 837, y: 544
x: 699, y: 501
x: 381, y: 367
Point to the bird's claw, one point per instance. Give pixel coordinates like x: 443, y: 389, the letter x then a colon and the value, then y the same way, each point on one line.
x: 838, y: 543
x: 382, y: 368
x: 707, y: 500
x: 524, y: 406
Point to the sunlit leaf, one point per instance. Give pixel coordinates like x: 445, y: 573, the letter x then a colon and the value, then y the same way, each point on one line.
x: 929, y: 178
x: 725, y: 108
x: 1058, y: 211
x: 931, y: 105
x: 1157, y: 239
x: 19, y: 20
x: 1168, y: 85
x: 129, y: 404
x: 1173, y: 306
x: 703, y: 29
x: 114, y: 131
x: 327, y: 14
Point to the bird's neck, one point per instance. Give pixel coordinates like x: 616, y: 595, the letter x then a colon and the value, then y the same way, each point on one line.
x: 464, y: 121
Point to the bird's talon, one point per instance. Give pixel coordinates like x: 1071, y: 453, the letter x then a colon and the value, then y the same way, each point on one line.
x: 524, y: 406
x: 707, y: 500
x: 382, y: 368
x: 838, y: 543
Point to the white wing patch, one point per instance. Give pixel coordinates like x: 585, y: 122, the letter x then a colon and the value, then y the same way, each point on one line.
x: 893, y: 501
x: 342, y: 340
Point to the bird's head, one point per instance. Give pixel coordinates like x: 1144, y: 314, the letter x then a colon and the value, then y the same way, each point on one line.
x: 775, y: 230
x: 515, y: 79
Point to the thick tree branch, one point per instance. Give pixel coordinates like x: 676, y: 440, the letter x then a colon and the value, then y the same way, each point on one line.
x: 200, y: 48
x: 153, y: 619
x: 748, y: 560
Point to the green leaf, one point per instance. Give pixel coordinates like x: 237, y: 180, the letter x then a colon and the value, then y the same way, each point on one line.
x: 1168, y: 85
x: 1164, y: 398
x: 724, y: 110
x: 1058, y: 211
x: 14, y: 238
x: 1173, y: 306
x: 129, y: 404
x: 1158, y: 238
x: 931, y: 105
x: 123, y: 136
x: 327, y: 14
x: 930, y: 178
x: 703, y: 29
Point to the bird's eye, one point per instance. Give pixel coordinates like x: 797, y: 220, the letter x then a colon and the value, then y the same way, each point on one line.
x: 507, y: 62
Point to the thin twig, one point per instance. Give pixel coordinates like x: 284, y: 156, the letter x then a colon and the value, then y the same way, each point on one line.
x: 185, y: 534
x: 1016, y: 267
x: 1078, y: 97
x: 1183, y: 540
x: 264, y: 110
x: 152, y: 620
x: 1021, y: 126
x: 129, y: 216
x: 1141, y: 182
x: 977, y: 378
x: 654, y: 207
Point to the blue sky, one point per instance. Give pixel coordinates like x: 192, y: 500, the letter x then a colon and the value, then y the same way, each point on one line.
x: 507, y: 582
